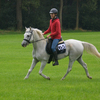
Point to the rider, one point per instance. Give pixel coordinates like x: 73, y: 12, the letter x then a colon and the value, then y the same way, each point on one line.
x: 55, y: 30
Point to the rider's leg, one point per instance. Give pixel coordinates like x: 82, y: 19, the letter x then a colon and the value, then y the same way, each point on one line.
x: 50, y: 59
x: 55, y: 58
x: 53, y: 47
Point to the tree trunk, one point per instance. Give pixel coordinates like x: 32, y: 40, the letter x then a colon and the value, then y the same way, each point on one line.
x: 19, y: 14
x: 61, y: 7
x: 0, y: 6
x: 77, y: 16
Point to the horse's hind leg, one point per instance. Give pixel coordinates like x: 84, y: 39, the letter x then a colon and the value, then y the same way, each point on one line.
x: 69, y: 68
x: 84, y: 66
x: 34, y: 62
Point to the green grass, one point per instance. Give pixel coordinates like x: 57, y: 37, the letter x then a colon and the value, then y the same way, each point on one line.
x: 16, y: 60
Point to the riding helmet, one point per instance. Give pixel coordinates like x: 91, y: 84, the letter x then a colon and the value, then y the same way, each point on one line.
x: 53, y: 10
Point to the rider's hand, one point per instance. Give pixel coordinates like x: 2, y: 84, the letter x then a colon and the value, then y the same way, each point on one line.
x: 48, y: 36
x: 42, y: 33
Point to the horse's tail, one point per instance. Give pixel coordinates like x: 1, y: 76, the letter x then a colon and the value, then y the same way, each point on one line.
x: 91, y: 49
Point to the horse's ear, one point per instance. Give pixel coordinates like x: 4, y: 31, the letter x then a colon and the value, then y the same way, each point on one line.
x: 25, y: 27
x: 30, y: 28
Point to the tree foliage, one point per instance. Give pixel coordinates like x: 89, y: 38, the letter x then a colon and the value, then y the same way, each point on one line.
x: 35, y: 13
x: 26, y: 4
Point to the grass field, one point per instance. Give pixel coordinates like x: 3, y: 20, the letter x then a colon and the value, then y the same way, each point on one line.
x: 16, y: 60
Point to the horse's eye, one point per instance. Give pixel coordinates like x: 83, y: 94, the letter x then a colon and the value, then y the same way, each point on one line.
x: 28, y: 36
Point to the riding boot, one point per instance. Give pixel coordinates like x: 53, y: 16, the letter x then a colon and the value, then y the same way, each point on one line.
x: 55, y: 58
x: 50, y: 59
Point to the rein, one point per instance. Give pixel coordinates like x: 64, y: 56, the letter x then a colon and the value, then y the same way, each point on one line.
x: 40, y: 40
x: 33, y: 41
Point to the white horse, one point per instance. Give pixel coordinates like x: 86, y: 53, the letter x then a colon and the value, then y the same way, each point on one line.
x: 74, y: 49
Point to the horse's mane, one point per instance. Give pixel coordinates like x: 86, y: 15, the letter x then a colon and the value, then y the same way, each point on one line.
x: 39, y: 32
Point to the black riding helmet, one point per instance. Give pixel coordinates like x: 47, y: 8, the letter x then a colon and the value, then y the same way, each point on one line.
x: 53, y: 10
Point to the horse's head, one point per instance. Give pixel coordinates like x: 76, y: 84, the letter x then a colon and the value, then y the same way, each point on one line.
x: 27, y: 37
x: 31, y: 35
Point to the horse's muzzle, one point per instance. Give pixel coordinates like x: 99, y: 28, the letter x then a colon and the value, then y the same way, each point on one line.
x: 24, y: 43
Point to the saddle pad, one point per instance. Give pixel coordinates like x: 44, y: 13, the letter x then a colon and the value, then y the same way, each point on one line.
x: 61, y: 48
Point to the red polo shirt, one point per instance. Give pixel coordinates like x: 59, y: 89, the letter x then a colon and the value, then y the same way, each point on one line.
x: 54, y: 28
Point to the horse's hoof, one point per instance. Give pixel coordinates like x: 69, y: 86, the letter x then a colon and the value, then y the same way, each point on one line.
x: 48, y: 78
x: 89, y: 77
x: 25, y: 78
x: 62, y: 78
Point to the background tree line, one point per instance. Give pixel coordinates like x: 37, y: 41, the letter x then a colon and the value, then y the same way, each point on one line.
x: 73, y: 14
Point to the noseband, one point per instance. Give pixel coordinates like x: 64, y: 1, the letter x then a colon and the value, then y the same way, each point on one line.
x: 27, y: 40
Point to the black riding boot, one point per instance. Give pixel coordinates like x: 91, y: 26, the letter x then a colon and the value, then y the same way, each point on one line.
x: 50, y: 59
x: 55, y: 58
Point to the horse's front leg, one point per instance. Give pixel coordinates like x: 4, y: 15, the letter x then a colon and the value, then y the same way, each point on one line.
x: 34, y: 62
x: 43, y: 63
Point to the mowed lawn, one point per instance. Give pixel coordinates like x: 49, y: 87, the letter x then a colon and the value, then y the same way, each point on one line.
x: 16, y: 60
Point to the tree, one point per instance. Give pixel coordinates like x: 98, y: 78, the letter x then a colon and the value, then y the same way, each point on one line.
x: 0, y: 5
x: 72, y: 13
x: 19, y: 14
x: 77, y: 16
x: 60, y: 15
x: 89, y: 5
x: 88, y: 14
x: 31, y: 13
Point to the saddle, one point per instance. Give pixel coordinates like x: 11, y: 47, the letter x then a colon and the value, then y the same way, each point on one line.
x: 60, y: 48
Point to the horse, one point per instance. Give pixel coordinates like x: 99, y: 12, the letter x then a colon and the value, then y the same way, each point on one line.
x: 74, y: 49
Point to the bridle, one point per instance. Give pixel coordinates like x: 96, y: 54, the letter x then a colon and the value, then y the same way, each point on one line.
x: 28, y: 40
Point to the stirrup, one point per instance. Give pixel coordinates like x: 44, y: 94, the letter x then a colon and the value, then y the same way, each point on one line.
x: 49, y: 62
x: 56, y: 63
